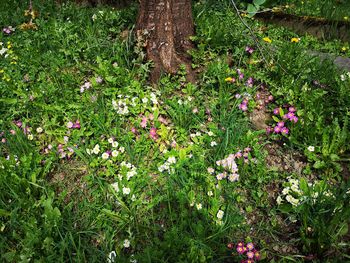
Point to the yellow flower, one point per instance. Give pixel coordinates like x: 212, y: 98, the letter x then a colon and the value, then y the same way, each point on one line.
x: 1, y: 71
x: 228, y: 79
x: 344, y: 48
x: 267, y: 39
x: 295, y: 40
x: 346, y: 18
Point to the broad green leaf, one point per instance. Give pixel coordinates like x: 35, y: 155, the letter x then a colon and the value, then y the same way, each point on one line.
x: 258, y: 2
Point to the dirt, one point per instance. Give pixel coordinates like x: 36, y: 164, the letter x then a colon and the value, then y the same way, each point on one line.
x: 69, y: 178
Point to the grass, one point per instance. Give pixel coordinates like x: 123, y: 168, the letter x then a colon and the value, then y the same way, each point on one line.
x: 95, y: 163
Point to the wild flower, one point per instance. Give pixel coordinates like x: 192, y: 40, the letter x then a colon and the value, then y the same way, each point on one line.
x: 229, y: 79
x: 115, y: 144
x: 210, y: 193
x: 220, y: 214
x: 115, y: 153
x: 267, y: 40
x: 153, y: 133
x: 250, y: 82
x: 199, y: 206
x: 311, y: 148
x: 8, y: 30
x: 210, y: 170
x: 39, y: 130
x: 98, y: 80
x: 115, y: 186
x: 111, y: 257
x: 295, y: 40
x: 213, y: 143
x: 105, y: 156
x: 126, y: 243
x: 284, y: 130
x: 276, y: 111
x: 126, y: 190
x: 249, y: 50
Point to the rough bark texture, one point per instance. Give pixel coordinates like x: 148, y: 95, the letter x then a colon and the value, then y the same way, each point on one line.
x: 166, y: 26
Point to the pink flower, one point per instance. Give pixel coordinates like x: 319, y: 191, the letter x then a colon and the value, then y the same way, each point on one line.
x: 195, y: 110
x: 290, y: 115
x: 13, y: 132
x: 277, y: 129
x: 151, y: 117
x: 3, y: 140
x: 144, y: 122
x: 270, y: 98
x: 268, y: 130
x: 280, y: 124
x: 294, y: 119
x: 276, y: 111
x: 292, y: 109
x: 133, y: 130
x: 240, y: 250
x: 76, y: 125
x: 70, y: 125
x: 249, y: 50
x: 153, y: 133
x: 284, y: 130
x: 238, y: 96
x: 250, y: 246
x: 243, y: 107
x: 250, y: 254
x: 250, y: 82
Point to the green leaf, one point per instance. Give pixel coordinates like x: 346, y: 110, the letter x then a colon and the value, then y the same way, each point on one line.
x: 9, y: 101
x: 251, y: 10
x: 319, y: 164
x: 258, y: 2
x: 275, y: 119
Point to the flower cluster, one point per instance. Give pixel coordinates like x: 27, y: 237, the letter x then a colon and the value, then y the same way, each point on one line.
x: 73, y: 125
x: 249, y: 250
x: 249, y: 50
x: 8, y: 30
x: 87, y: 85
x: 167, y: 165
x: 113, y: 152
x: 295, y: 195
x: 280, y: 127
x: 345, y: 76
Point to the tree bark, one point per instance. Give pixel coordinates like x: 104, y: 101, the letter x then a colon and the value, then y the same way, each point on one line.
x: 167, y: 26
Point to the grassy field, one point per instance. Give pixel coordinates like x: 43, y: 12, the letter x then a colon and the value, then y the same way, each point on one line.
x: 98, y: 165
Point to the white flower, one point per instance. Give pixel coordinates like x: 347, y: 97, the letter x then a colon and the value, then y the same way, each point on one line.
x: 285, y: 191
x: 311, y: 148
x: 105, y: 156
x: 130, y: 174
x: 121, y: 149
x: 39, y: 130
x: 115, y: 186
x: 96, y: 149
x: 126, y: 243
x: 210, y: 133
x: 210, y: 193
x: 111, y: 257
x: 279, y: 200
x: 220, y: 214
x: 233, y: 177
x: 88, y: 151
x: 171, y: 160
x: 115, y: 153
x: 30, y: 137
x: 292, y: 200
x: 126, y: 190
x: 180, y: 102
x: 115, y: 144
x: 199, y: 206
x: 3, y: 51
x: 213, y: 143
x: 210, y: 170
x: 342, y: 77
x: 145, y: 100
x: 198, y: 133
x: 94, y: 17
x: 110, y: 140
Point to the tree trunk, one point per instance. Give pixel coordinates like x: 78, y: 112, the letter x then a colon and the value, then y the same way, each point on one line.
x: 167, y: 26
